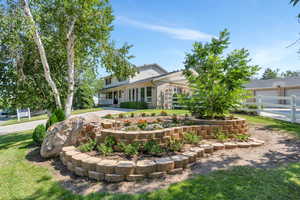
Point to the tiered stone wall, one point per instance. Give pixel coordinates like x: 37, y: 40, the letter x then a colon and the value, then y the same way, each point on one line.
x: 124, y: 170
x: 236, y: 126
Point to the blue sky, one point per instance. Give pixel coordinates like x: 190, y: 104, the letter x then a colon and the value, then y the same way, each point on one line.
x: 162, y: 31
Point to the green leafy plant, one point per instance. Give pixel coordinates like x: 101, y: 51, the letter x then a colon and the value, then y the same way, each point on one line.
x: 39, y: 134
x: 104, y: 149
x: 174, y: 118
x: 52, y: 120
x: 127, y: 123
x: 221, y: 136
x: 121, y: 115
x: 108, y: 116
x: 163, y: 113
x: 87, y: 147
x: 153, y: 114
x: 143, y: 114
x: 191, y: 138
x: 110, y: 141
x: 174, y: 145
x: 216, y: 80
x: 242, y: 137
x: 132, y: 115
x: 142, y: 124
x: 60, y: 114
x: 134, y: 105
x: 152, y: 147
x: 130, y: 149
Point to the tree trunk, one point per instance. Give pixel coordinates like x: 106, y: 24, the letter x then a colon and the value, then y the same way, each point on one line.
x: 71, y: 69
x: 38, y: 41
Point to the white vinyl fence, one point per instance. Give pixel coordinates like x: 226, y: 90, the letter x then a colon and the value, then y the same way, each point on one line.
x: 285, y: 108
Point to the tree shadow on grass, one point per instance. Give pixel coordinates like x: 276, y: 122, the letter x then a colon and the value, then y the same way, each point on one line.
x: 12, y: 140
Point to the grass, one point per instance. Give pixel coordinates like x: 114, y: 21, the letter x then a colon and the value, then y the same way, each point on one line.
x: 41, y: 117
x: 274, y: 124
x: 21, y: 179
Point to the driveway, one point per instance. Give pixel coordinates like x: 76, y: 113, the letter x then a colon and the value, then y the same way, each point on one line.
x: 31, y: 125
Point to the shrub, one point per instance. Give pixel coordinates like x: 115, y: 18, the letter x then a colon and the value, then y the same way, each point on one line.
x: 108, y: 116
x: 110, y: 141
x: 132, y: 115
x: 222, y: 137
x: 121, y: 115
x: 143, y: 114
x: 219, y: 81
x: 39, y: 134
x: 87, y: 147
x: 242, y: 137
x: 191, y: 138
x: 130, y: 149
x: 174, y: 145
x: 134, y: 105
x: 104, y: 149
x: 153, y: 114
x: 60, y: 114
x: 163, y: 113
x: 127, y: 123
x: 174, y: 118
x: 142, y: 124
x: 52, y: 120
x: 152, y: 147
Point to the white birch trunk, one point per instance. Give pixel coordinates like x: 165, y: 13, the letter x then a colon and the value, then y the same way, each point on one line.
x: 42, y: 53
x: 71, y: 69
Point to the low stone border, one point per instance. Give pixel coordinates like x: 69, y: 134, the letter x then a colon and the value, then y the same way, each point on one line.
x: 162, y: 136
x: 116, y: 171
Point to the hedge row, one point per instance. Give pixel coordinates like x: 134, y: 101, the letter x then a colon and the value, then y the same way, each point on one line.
x: 134, y: 105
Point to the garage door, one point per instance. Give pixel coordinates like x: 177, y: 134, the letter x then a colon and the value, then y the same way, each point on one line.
x: 295, y: 92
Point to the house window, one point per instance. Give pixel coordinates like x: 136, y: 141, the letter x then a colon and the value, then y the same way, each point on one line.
x: 133, y: 94
x: 142, y: 94
x: 137, y: 94
x: 110, y: 95
x: 120, y: 94
x: 149, y: 94
x: 129, y: 91
x: 108, y: 81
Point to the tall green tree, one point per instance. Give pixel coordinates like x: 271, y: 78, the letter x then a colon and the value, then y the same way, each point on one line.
x: 290, y: 73
x: 270, y: 73
x: 67, y: 39
x: 216, y: 80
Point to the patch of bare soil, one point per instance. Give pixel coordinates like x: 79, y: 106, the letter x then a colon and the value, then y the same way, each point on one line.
x: 280, y: 148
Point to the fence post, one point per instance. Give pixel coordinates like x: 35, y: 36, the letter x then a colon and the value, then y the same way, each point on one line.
x: 259, y: 100
x: 18, y: 114
x: 293, y: 108
x: 29, y: 115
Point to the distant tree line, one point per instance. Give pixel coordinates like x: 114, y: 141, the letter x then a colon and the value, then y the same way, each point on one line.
x: 275, y: 73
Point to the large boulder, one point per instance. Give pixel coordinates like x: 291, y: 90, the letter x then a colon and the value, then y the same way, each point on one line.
x: 72, y: 131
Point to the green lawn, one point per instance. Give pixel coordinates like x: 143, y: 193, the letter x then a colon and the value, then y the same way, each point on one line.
x: 20, y: 179
x: 40, y: 117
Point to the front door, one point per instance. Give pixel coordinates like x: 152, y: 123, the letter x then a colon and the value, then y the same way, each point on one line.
x: 115, y: 97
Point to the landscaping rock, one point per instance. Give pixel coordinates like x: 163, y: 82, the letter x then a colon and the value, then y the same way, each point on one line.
x: 90, y: 164
x: 69, y: 132
x: 207, y: 148
x: 125, y: 167
x: 70, y: 166
x: 145, y: 167
x: 106, y: 166
x: 80, y: 171
x: 218, y: 146
x: 157, y: 175
x: 164, y: 164
x: 114, y: 178
x: 96, y: 175
x: 180, y: 161
x: 243, y: 144
x: 135, y: 177
x: 191, y: 155
x: 176, y: 171
x: 230, y: 145
x: 198, y: 150
x: 68, y: 155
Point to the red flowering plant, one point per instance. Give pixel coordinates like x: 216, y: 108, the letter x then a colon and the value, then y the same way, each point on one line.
x: 142, y: 124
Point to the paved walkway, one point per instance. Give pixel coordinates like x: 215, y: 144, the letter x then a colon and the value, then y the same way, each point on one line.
x: 31, y: 125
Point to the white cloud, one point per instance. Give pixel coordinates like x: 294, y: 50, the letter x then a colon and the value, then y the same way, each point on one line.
x: 177, y: 33
x: 276, y: 55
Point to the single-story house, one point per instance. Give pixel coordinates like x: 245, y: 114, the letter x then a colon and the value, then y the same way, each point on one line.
x: 151, y: 84
x: 276, y: 87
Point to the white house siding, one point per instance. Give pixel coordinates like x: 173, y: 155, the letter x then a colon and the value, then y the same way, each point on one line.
x: 268, y: 93
x: 296, y: 92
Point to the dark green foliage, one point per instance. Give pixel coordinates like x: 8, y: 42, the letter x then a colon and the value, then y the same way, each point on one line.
x: 191, y: 138
x: 174, y: 118
x: 104, y: 149
x: 144, y: 114
x: 83, y: 97
x: 270, y: 73
x: 242, y: 137
x: 217, y: 81
x: 174, y: 145
x: 121, y: 115
x: 108, y: 116
x: 57, y: 115
x: 130, y: 149
x: 52, y: 120
x: 153, y: 114
x: 87, y: 147
x: 132, y: 115
x: 219, y: 135
x: 142, y: 124
x: 134, y: 105
x: 39, y: 134
x: 152, y: 147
